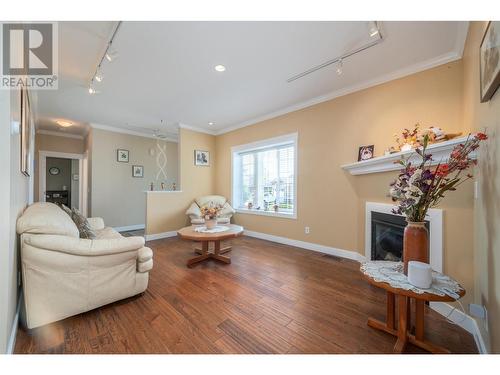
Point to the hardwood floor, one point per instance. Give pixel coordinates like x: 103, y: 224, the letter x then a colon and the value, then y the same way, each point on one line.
x: 271, y: 299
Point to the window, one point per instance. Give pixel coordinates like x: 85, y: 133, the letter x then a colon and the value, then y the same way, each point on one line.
x: 265, y: 178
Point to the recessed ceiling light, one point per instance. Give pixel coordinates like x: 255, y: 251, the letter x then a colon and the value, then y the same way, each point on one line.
x: 211, y: 123
x: 64, y: 124
x: 220, y: 68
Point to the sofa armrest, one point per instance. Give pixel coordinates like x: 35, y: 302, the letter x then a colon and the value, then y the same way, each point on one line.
x: 193, y: 211
x: 227, y: 210
x: 85, y: 247
x: 145, y: 260
x: 96, y: 223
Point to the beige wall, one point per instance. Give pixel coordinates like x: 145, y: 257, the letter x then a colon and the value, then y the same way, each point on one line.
x: 118, y: 197
x: 14, y: 196
x: 331, y: 201
x: 487, y: 207
x: 166, y: 211
x: 45, y: 142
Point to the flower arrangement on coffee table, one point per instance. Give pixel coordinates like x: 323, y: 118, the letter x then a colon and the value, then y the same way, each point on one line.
x: 210, y: 214
x: 420, y: 187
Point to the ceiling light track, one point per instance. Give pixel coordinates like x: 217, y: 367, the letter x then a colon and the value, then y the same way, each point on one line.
x: 377, y: 38
x: 109, y: 55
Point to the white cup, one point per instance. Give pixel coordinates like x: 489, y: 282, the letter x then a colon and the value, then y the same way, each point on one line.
x: 420, y: 274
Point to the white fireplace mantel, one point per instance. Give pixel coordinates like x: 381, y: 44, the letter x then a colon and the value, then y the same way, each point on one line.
x: 440, y: 153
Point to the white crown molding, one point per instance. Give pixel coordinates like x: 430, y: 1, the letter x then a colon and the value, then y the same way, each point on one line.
x: 416, y: 68
x: 197, y: 129
x: 130, y: 132
x: 463, y: 30
x: 59, y: 134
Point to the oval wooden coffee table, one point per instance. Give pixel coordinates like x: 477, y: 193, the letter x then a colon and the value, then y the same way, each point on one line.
x: 188, y: 233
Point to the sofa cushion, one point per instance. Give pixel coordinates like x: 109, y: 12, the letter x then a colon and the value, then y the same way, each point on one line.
x: 83, y: 225
x: 214, y: 199
x: 46, y: 218
x: 107, y: 233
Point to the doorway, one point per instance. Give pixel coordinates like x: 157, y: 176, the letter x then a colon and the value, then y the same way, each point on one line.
x: 62, y: 179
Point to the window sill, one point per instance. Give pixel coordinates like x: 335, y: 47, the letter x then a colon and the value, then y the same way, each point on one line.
x: 266, y: 213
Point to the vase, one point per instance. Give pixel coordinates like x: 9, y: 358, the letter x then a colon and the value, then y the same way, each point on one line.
x: 415, y: 244
x: 210, y: 223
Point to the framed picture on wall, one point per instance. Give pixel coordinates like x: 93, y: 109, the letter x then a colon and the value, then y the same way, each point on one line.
x: 490, y: 61
x: 137, y: 171
x: 201, y: 158
x: 365, y: 152
x: 27, y: 133
x: 122, y: 156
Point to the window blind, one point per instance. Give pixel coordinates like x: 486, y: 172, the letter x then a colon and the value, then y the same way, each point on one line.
x: 267, y: 179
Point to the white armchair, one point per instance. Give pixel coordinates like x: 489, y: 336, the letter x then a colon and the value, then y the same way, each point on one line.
x: 194, y: 212
x: 64, y: 275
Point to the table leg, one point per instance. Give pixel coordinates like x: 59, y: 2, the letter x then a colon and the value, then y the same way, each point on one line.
x: 223, y: 250
x: 419, y: 319
x: 391, y: 306
x: 217, y: 253
x: 408, y: 314
x: 402, y: 324
x: 204, y: 255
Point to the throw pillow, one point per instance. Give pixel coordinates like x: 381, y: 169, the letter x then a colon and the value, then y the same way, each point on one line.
x: 67, y: 210
x: 82, y: 224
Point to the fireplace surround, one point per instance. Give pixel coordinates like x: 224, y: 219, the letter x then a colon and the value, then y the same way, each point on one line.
x: 382, y: 225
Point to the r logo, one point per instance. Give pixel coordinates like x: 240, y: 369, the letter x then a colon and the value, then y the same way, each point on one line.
x: 27, y: 49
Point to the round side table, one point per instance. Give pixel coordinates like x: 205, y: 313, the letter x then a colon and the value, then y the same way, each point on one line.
x: 402, y: 332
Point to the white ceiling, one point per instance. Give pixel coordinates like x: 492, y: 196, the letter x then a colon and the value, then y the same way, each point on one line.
x: 165, y: 70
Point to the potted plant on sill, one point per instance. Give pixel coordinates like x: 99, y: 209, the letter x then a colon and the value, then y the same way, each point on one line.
x: 420, y: 187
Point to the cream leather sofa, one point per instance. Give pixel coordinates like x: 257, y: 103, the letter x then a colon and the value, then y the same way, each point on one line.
x: 194, y: 212
x: 64, y: 275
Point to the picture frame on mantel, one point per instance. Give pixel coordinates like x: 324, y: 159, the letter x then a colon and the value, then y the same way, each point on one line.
x: 489, y: 68
x: 366, y: 152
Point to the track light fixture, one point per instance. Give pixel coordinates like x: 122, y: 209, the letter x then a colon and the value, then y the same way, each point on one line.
x: 374, y: 31
x: 376, y: 37
x: 99, y: 76
x: 109, y: 55
x: 339, y: 67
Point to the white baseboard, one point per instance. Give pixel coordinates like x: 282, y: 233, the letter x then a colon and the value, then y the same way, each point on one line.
x: 463, y: 320
x: 158, y: 236
x: 13, y: 332
x: 130, y: 227
x: 307, y: 245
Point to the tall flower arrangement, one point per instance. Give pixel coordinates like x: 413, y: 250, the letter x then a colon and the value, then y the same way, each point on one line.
x: 420, y: 187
